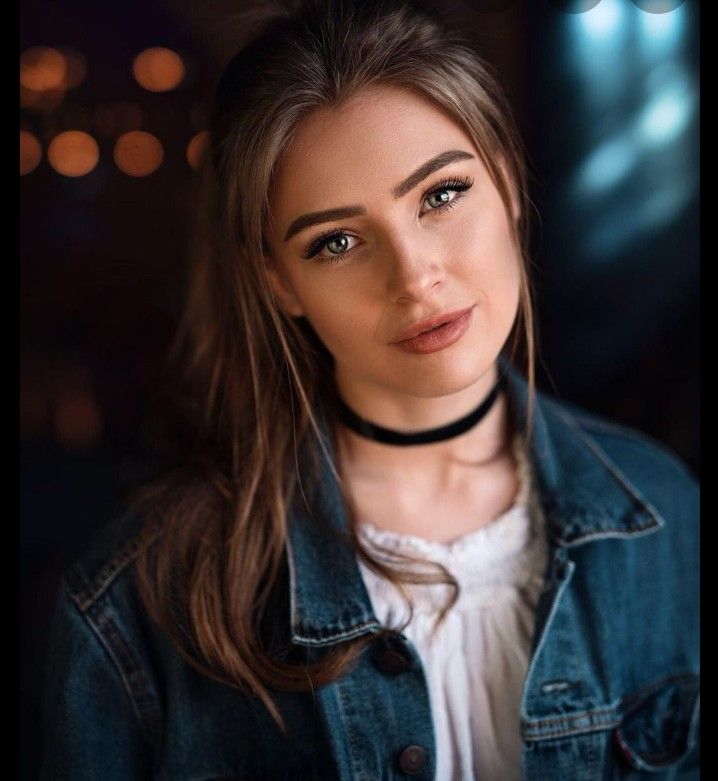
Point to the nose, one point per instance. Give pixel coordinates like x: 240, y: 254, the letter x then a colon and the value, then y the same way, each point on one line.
x: 414, y: 267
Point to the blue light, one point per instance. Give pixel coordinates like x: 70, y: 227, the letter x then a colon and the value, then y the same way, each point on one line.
x: 663, y: 205
x: 639, y: 104
x: 598, y: 43
x: 626, y: 222
x: 660, y: 34
x: 667, y: 114
x: 602, y: 21
x: 607, y: 165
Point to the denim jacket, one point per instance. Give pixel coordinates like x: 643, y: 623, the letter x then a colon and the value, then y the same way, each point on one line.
x: 611, y: 692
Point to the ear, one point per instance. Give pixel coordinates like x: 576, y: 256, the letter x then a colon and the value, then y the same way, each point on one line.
x: 282, y: 289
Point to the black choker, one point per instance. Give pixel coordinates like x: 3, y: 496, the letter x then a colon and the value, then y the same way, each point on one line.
x: 391, y: 437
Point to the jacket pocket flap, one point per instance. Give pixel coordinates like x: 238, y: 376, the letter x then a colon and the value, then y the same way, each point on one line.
x: 659, y: 723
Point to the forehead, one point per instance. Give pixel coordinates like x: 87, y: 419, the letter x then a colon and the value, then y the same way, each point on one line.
x: 366, y: 145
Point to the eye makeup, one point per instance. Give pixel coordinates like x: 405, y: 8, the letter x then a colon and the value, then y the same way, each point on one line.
x: 458, y: 184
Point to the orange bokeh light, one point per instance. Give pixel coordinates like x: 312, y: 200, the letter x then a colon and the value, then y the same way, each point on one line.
x: 41, y: 101
x: 47, y: 73
x: 30, y: 152
x: 138, y: 153
x: 197, y: 148
x: 42, y: 68
x: 78, y: 421
x: 73, y: 153
x: 158, y: 69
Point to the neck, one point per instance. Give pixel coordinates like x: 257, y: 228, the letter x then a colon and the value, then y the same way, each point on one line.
x: 437, y: 462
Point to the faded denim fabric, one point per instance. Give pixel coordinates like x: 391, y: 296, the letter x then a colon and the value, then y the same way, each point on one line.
x: 612, y: 690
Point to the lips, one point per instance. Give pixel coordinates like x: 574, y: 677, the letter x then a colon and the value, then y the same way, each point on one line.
x: 431, y: 322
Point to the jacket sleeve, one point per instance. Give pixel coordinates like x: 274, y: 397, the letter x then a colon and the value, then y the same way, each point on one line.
x: 90, y: 729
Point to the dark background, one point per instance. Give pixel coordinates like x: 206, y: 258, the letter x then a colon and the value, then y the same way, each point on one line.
x: 607, y: 101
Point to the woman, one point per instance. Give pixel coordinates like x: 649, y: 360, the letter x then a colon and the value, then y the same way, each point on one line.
x: 389, y: 555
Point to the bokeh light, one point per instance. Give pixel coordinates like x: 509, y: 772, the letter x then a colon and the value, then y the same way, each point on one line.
x: 197, y: 148
x: 73, y: 153
x: 78, y: 421
x: 42, y: 68
x: 43, y: 72
x: 46, y: 73
x: 671, y: 107
x: 602, y: 21
x: 30, y: 152
x: 158, y: 69
x: 138, y: 153
x: 41, y: 101
x: 607, y: 165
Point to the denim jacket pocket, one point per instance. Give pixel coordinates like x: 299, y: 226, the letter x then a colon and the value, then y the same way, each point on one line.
x: 659, y: 725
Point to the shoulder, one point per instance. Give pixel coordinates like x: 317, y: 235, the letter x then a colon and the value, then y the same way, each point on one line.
x: 626, y: 442
x: 649, y: 466
x: 105, y: 563
x: 97, y: 649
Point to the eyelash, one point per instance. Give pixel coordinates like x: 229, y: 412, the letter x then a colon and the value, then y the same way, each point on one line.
x: 458, y: 184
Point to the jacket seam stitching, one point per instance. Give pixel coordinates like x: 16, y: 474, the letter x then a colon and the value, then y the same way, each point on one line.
x: 107, y: 574
x: 122, y: 649
x: 612, y: 467
x: 634, y: 697
x: 536, y: 734
x: 356, y: 631
x: 620, y: 531
x: 600, y: 719
x: 593, y: 425
x: 349, y: 720
x: 597, y: 712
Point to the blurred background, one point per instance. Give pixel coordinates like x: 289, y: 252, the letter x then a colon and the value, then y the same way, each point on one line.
x: 113, y: 115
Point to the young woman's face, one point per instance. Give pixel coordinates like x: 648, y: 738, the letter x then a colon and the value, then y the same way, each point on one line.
x: 403, y: 254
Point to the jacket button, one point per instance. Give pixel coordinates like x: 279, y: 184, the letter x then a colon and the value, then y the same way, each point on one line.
x: 412, y: 760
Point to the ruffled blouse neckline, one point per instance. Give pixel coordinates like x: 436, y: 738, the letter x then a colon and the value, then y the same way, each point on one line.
x: 502, y: 551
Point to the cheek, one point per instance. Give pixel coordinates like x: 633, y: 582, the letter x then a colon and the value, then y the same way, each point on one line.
x: 486, y: 246
x: 339, y: 320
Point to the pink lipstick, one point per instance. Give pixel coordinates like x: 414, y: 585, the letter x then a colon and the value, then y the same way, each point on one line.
x: 439, y: 337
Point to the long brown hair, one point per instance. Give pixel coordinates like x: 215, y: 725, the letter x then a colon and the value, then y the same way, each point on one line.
x: 253, y: 379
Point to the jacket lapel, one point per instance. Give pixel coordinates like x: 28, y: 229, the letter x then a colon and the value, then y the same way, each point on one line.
x: 585, y: 496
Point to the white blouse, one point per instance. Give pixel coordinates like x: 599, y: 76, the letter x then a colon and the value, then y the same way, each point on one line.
x: 477, y: 661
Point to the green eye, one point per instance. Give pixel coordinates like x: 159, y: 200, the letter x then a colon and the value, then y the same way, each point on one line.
x: 444, y: 199
x: 442, y: 190
x: 337, y: 239
x: 333, y: 237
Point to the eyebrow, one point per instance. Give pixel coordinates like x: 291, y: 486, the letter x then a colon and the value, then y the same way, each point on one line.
x: 343, y: 212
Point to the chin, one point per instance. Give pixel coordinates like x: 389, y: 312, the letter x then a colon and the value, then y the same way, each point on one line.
x: 445, y: 380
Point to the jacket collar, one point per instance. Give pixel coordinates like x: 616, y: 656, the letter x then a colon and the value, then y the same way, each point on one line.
x: 584, y: 495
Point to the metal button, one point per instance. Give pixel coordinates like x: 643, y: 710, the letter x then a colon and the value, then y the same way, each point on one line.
x: 412, y: 760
